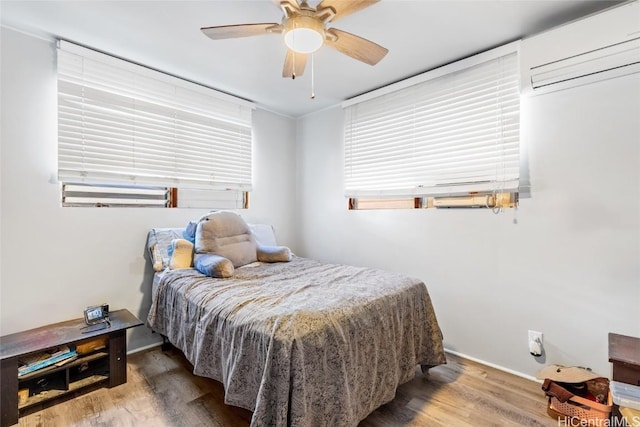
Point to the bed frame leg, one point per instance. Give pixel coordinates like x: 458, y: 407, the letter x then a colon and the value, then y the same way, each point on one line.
x: 425, y: 368
x: 166, y: 345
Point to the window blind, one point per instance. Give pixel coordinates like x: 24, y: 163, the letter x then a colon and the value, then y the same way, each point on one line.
x: 119, y: 122
x: 454, y: 133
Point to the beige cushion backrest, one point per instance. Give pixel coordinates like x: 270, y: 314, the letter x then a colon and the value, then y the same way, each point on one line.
x: 226, y: 234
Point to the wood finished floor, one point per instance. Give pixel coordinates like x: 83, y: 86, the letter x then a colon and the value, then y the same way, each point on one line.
x: 161, y: 391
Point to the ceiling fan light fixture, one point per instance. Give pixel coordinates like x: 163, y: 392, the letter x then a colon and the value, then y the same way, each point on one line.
x: 303, y: 34
x: 304, y: 31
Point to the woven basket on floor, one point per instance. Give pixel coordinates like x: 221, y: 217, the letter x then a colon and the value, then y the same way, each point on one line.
x: 584, y: 409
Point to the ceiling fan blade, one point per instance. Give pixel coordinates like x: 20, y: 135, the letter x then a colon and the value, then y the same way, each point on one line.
x: 294, y: 64
x: 345, y: 7
x: 287, y: 6
x: 356, y: 47
x: 243, y: 30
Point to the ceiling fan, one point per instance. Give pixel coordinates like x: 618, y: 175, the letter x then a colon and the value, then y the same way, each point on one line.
x: 305, y: 31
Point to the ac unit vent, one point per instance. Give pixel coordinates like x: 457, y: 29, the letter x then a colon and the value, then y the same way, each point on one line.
x: 611, y: 61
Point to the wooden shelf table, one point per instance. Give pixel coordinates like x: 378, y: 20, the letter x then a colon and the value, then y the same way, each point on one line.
x: 104, y: 367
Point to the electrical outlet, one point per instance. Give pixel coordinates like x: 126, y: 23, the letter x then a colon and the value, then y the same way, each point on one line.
x: 535, y: 343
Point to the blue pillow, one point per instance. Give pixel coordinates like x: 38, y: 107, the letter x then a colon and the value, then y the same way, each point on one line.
x: 189, y: 232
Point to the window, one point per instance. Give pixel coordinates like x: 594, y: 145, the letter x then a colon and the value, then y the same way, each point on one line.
x: 473, y: 200
x: 450, y: 132
x: 124, y: 125
x: 105, y: 196
x: 365, y: 203
x: 115, y: 196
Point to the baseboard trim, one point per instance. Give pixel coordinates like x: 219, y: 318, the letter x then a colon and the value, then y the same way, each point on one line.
x: 493, y: 365
x: 144, y: 348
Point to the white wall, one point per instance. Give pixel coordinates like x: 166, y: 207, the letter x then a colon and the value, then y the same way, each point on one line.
x: 56, y: 261
x: 566, y: 262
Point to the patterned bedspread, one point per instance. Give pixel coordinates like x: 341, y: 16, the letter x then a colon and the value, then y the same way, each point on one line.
x: 303, y: 343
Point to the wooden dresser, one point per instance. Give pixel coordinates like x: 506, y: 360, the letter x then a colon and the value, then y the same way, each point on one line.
x: 624, y: 354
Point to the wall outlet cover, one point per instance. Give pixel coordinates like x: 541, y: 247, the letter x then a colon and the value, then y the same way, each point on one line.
x: 535, y: 343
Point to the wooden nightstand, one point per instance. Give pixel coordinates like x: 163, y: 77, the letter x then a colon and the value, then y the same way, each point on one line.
x: 105, y: 366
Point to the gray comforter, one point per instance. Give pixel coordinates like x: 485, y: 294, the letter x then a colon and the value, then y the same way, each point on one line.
x: 303, y: 343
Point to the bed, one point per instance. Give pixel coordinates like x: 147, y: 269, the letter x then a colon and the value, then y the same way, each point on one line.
x: 303, y: 343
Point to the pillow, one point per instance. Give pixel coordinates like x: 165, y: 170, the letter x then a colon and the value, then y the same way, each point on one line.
x: 225, y: 233
x: 263, y: 234
x: 158, y: 244
x: 274, y: 254
x: 213, y: 265
x: 181, y: 251
x: 190, y: 231
x: 156, y: 258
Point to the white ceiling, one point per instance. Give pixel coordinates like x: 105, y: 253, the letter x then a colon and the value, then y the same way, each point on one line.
x: 165, y: 35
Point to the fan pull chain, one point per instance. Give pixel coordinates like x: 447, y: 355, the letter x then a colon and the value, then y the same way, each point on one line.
x: 293, y: 66
x: 313, y: 92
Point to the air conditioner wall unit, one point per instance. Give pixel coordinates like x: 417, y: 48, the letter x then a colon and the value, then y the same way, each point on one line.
x: 598, y: 47
x: 607, y: 62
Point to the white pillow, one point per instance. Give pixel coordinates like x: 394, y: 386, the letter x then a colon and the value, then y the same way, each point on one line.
x: 264, y: 234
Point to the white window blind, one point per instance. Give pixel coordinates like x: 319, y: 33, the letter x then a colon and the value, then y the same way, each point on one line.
x: 119, y: 122
x: 454, y: 133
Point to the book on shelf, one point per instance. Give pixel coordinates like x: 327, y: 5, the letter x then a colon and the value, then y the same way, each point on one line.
x: 65, y: 361
x: 54, y: 356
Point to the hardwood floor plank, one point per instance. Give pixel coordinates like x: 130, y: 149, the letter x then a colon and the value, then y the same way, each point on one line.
x: 162, y: 391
